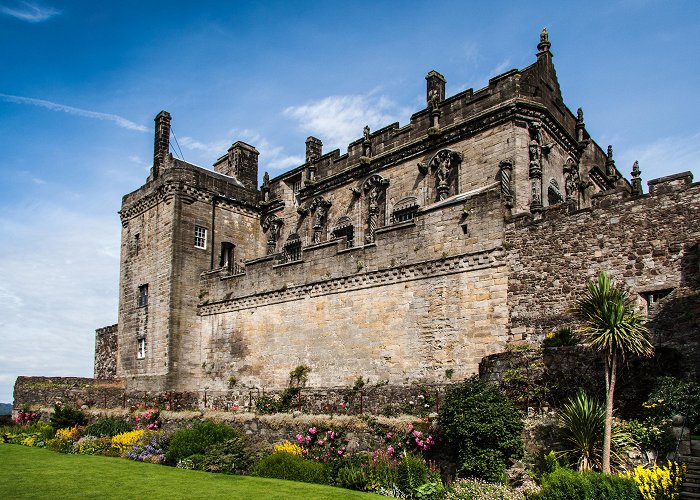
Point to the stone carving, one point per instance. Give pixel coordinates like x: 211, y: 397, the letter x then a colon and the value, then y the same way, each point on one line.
x: 572, y: 180
x: 374, y: 189
x: 272, y: 225
x: 319, y: 206
x: 445, y: 164
x: 505, y: 168
x: 610, y: 169
x: 535, y: 170
x: 366, y: 143
x: 544, y: 44
x: 636, y: 180
x: 265, y: 189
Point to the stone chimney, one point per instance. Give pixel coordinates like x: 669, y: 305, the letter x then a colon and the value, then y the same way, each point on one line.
x: 435, y: 89
x: 241, y: 162
x: 314, y: 149
x: 161, y: 144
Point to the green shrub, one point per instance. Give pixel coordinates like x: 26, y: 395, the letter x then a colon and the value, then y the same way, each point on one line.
x: 107, y: 427
x: 562, y: 337
x: 92, y: 445
x: 476, y: 489
x: 566, y: 484
x: 291, y: 467
x: 672, y: 396
x: 353, y: 477
x: 411, y: 473
x: 66, y: 416
x: 196, y: 439
x: 229, y: 457
x: 485, y: 427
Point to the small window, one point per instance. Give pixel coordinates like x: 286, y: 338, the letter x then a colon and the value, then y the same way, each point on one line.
x: 652, y: 298
x: 137, y: 243
x: 405, y: 210
x: 141, y: 349
x: 143, y: 295
x: 292, y: 249
x: 200, y: 237
x: 226, y: 259
x: 344, y: 228
x: 296, y: 187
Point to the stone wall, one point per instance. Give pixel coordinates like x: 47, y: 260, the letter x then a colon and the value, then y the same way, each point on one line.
x: 106, y: 352
x: 648, y: 243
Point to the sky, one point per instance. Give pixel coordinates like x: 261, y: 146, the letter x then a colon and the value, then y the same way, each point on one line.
x: 80, y: 84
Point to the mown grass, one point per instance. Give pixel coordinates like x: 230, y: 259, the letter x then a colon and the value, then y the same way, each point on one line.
x: 38, y: 473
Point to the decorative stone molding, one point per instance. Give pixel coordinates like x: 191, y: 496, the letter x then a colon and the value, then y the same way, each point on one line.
x: 375, y: 191
x: 445, y: 166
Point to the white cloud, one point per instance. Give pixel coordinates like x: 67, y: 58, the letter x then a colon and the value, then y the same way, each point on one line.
x: 59, y: 280
x: 271, y: 156
x: 664, y: 156
x: 122, y: 122
x: 30, y: 12
x: 339, y: 120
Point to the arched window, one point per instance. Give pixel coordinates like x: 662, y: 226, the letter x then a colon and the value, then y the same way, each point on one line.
x: 344, y: 229
x: 405, y: 210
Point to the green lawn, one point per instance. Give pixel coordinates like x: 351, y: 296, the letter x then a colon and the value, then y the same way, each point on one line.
x: 38, y: 473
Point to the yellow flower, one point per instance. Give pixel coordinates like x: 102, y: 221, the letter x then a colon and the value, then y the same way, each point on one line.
x: 124, y: 441
x: 288, y: 447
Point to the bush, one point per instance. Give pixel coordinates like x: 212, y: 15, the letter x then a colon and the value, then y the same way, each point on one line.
x: 92, y: 445
x: 196, y: 439
x: 566, y: 484
x: 411, y: 473
x: 149, y: 448
x: 672, y: 396
x: 473, y: 489
x: 123, y: 442
x: 368, y: 472
x: 67, y: 416
x: 484, y: 426
x: 107, y: 427
x: 291, y: 467
x: 229, y: 457
x: 659, y: 483
x: 562, y: 337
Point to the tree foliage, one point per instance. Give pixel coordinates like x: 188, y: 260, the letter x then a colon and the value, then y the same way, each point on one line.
x: 485, y: 427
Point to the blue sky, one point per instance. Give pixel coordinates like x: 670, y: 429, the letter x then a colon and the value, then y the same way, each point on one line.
x: 82, y: 81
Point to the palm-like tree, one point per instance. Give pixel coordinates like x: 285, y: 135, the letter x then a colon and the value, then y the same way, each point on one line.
x: 613, y: 327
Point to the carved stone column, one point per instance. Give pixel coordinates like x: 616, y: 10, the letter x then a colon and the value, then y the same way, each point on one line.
x: 535, y: 170
x: 636, y: 180
x: 505, y: 168
x: 374, y: 189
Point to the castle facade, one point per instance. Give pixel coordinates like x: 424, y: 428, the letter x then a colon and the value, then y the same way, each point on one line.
x: 418, y: 252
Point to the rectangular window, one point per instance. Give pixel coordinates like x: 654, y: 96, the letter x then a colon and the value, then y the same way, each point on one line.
x: 200, y: 237
x: 141, y: 351
x: 137, y: 243
x: 296, y: 187
x: 143, y: 295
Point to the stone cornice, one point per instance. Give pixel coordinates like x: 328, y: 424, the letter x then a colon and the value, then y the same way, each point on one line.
x: 410, y: 272
x: 513, y: 109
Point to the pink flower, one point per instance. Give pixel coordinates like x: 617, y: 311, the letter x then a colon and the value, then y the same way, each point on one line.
x: 320, y: 442
x: 410, y: 427
x: 312, y: 430
x: 307, y: 439
x: 389, y: 435
x: 300, y: 438
x: 390, y: 451
x: 417, y: 434
x: 304, y: 451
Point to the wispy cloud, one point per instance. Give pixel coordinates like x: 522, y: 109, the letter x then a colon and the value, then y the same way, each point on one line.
x: 29, y: 12
x: 339, y: 120
x: 664, y: 156
x: 271, y: 156
x: 120, y: 121
x: 52, y: 300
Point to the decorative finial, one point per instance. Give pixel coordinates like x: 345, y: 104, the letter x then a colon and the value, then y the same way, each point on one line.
x: 610, y: 169
x: 544, y: 44
x: 635, y: 169
x: 579, y: 116
x: 636, y: 180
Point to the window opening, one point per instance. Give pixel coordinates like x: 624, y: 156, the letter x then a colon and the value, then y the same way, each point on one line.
x: 200, y: 237
x: 143, y: 296
x: 345, y: 229
x: 141, y: 350
x: 226, y: 259
x: 405, y: 210
x: 137, y: 243
x: 292, y: 249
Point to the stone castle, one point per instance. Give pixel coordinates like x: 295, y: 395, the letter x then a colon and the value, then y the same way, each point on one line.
x: 418, y: 252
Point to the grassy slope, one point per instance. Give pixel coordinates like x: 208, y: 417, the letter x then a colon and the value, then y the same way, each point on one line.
x: 38, y: 473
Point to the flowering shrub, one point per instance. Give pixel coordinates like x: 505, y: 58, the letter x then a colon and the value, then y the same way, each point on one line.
x: 92, y: 445
x: 62, y: 441
x: 369, y: 472
x: 411, y: 440
x: 322, y: 446
x: 149, y: 420
x: 149, y: 448
x: 287, y: 447
x: 25, y: 416
x: 662, y: 483
x: 125, y: 441
x: 468, y: 489
x: 422, y: 404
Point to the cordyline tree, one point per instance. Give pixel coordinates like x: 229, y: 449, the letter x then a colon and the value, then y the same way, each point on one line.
x: 613, y: 327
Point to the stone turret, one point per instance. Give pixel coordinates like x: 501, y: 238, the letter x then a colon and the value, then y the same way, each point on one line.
x: 241, y: 162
